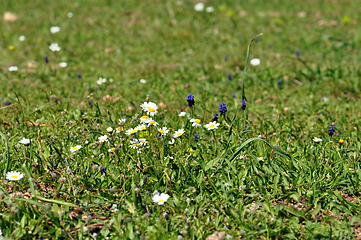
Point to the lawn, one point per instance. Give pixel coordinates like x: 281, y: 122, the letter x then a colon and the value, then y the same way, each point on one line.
x: 174, y: 119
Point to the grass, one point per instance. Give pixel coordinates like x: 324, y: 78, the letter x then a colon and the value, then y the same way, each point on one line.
x: 259, y: 175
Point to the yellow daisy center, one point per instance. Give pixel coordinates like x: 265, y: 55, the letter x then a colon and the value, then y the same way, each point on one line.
x: 143, y: 128
x: 119, y: 128
x: 134, y: 144
x: 15, y: 177
x: 151, y: 109
x: 162, y: 131
x: 179, y: 134
x: 198, y: 121
x: 211, y: 126
x: 145, y: 117
x: 133, y: 131
x: 151, y: 122
x: 160, y: 200
x: 75, y: 148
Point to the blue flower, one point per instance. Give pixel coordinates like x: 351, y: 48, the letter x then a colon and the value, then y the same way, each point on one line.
x: 244, y: 105
x: 190, y: 100
x: 229, y: 76
x: 79, y: 75
x: 234, y: 96
x: 195, y: 138
x: 7, y: 103
x: 297, y: 53
x: 222, y: 109
x: 46, y: 60
x: 102, y: 169
x: 215, y: 118
x: 279, y: 83
x: 331, y: 130
x: 226, y: 57
x: 91, y: 104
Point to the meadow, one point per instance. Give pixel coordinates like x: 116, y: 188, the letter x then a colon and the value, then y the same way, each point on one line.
x: 174, y: 119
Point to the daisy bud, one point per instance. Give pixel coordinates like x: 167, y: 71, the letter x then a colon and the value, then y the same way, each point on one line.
x: 85, y: 230
x: 53, y: 176
x: 62, y: 180
x: 145, y: 178
x: 14, y: 210
x: 48, y: 206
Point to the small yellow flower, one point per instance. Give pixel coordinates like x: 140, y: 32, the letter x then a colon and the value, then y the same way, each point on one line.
x: 11, y: 48
x: 341, y: 141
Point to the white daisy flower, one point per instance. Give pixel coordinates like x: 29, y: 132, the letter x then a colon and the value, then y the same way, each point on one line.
x: 209, y: 9
x: 25, y: 141
x: 212, y: 125
x: 196, y: 122
x: 70, y: 14
x: 182, y: 114
x: 1, y: 233
x: 150, y: 108
x: 103, y: 138
x: 122, y: 121
x: 134, y: 143
x: 101, y: 81
x: 22, y: 38
x: 13, y: 69
x: 14, y: 176
x: 54, y: 47
x: 110, y: 150
x: 143, y: 81
x: 163, y: 131
x: 168, y: 157
x: 142, y: 141
x: 160, y: 199
x: 241, y: 157
x: 141, y: 127
x: 178, y: 133
x: 255, y: 62
x: 151, y: 122
x: 63, y: 64
x: 317, y: 140
x: 131, y: 131
x: 171, y: 142
x: 54, y: 29
x: 260, y: 158
x: 118, y: 129
x: 74, y: 149
x: 144, y: 119
x: 199, y: 7
x: 109, y: 129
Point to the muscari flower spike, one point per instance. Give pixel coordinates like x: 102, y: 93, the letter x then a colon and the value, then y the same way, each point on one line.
x: 229, y: 76
x: 215, y: 118
x: 243, y: 107
x: 102, y: 169
x: 190, y: 100
x: 331, y: 130
x: 222, y: 109
x: 195, y: 138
